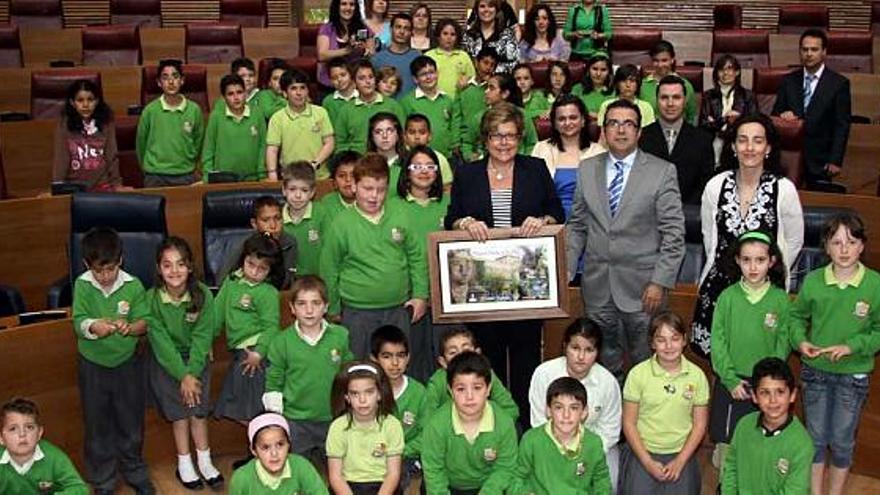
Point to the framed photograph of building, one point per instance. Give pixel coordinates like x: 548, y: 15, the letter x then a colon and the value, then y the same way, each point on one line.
x: 505, y: 278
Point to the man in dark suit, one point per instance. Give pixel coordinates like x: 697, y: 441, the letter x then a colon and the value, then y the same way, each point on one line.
x: 674, y: 140
x: 821, y: 97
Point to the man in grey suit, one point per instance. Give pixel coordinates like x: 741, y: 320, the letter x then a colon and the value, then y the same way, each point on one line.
x: 627, y: 221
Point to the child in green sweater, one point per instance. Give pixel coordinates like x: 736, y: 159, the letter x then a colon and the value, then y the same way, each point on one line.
x: 595, y: 87
x: 244, y: 68
x: 305, y: 357
x: 109, y: 318
x: 562, y: 456
x: 372, y: 261
x: 417, y: 132
x: 170, y: 131
x: 274, y: 470
x: 535, y: 103
x: 247, y: 306
x: 344, y: 89
x: 29, y: 464
x: 750, y: 323
x: 354, y: 117
x: 428, y: 100
x: 303, y: 218
x: 181, y: 333
x: 500, y: 88
x: 472, y: 100
x: 271, y: 98
x: 235, y: 140
x: 341, y: 169
x: 838, y: 303
x: 469, y: 444
x: 771, y: 451
x: 386, y: 138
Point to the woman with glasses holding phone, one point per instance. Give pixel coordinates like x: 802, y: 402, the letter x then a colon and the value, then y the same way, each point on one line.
x: 505, y: 190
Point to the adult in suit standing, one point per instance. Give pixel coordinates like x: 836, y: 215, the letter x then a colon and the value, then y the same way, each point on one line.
x: 505, y: 189
x: 627, y: 221
x: 674, y: 140
x: 821, y: 97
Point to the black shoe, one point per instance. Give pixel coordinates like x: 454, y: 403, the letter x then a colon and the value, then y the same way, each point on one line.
x: 241, y: 462
x: 189, y: 485
x: 216, y: 482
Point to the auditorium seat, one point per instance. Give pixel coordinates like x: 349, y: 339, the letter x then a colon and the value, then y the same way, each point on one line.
x: 142, y: 12
x: 812, y: 255
x: 247, y: 13
x: 794, y: 19
x: 791, y: 153
x: 49, y: 89
x: 36, y: 14
x: 577, y: 69
x: 126, y: 142
x: 138, y: 218
x: 631, y: 45
x: 10, y: 46
x: 195, y: 85
x: 540, y: 73
x: 750, y: 46
x: 118, y: 44
x: 765, y: 84
x: 226, y: 223
x: 308, y: 40
x: 213, y: 42
x: 543, y: 126
x: 727, y: 16
x: 850, y: 51
x: 11, y: 302
x: 694, y: 254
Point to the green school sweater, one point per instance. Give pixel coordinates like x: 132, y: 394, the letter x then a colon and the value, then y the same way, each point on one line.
x: 370, y: 266
x: 449, y: 460
x: 333, y: 103
x: 543, y: 470
x: 304, y: 480
x: 439, y: 112
x: 471, y: 100
x: 174, y: 331
x: 54, y: 473
x: 472, y: 148
x: 248, y: 311
x: 268, y: 102
x: 423, y: 218
x: 333, y: 205
x: 169, y: 141
x: 304, y: 373
x: 835, y: 316
x: 744, y: 333
x: 236, y: 146
x: 354, y: 119
x: 648, y: 93
x: 90, y: 303
x: 776, y: 465
x: 536, y: 105
x: 592, y: 100
x: 308, y: 233
x: 437, y: 394
x: 409, y: 410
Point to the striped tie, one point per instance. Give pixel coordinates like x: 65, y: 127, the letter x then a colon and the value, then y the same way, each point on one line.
x: 615, y: 189
x: 808, y: 89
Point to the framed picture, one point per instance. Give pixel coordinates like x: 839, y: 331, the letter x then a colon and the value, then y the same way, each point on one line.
x: 505, y: 278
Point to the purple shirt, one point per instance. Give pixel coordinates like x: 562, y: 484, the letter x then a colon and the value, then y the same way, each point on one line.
x: 328, y: 31
x: 559, y: 50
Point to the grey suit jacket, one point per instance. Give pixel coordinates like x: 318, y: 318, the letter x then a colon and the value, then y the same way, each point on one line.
x: 643, y: 243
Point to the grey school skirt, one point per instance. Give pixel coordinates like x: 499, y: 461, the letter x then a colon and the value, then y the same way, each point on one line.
x: 166, y: 392
x: 241, y: 398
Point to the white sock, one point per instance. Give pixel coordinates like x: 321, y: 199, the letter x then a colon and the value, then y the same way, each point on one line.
x: 206, y: 466
x: 186, y: 469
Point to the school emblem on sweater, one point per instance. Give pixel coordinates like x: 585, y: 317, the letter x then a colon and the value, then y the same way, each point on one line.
x: 314, y: 236
x: 782, y: 466
x: 335, y: 356
x: 254, y: 132
x: 580, y: 469
x: 45, y: 486
x: 379, y: 450
x: 446, y: 114
x: 862, y: 309
x: 770, y: 321
x: 396, y: 235
x: 689, y: 390
x: 409, y: 418
x: 122, y: 308
x: 191, y: 317
x: 187, y: 127
x: 245, y: 301
x: 489, y: 454
x: 316, y: 128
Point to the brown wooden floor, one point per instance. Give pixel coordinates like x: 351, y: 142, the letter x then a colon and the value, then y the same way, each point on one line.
x: 166, y: 483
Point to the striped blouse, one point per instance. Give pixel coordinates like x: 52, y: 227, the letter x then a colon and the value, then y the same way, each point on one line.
x: 501, y: 205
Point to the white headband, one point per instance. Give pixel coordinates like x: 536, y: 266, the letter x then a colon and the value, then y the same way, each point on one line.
x: 363, y: 367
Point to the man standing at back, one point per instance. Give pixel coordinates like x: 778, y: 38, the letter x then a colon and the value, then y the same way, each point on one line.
x: 399, y: 54
x: 627, y: 222
x: 821, y: 98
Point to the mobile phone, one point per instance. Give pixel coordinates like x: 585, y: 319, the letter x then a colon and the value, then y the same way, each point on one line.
x: 361, y: 35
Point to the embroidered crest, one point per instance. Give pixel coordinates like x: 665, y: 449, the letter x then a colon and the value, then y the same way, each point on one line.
x: 313, y: 235
x: 409, y: 418
x: 689, y: 390
x: 316, y: 128
x: 335, y: 356
x: 597, y: 409
x: 187, y: 127
x: 862, y: 309
x: 782, y: 466
x: 122, y: 308
x: 45, y: 486
x: 770, y: 321
x: 489, y: 454
x: 379, y: 450
x: 245, y: 301
x: 191, y: 317
x: 446, y: 114
x: 396, y: 235
x: 580, y: 469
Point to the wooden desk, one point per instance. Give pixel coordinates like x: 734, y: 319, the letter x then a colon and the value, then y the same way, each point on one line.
x: 281, y: 42
x: 41, y: 47
x: 691, y: 46
x: 159, y: 43
x: 865, y: 89
x: 861, y: 169
x: 784, y: 50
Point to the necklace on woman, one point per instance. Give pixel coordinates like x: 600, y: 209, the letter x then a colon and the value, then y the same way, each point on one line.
x: 499, y: 174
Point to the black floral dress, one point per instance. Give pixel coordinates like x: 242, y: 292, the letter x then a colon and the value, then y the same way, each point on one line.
x: 730, y: 223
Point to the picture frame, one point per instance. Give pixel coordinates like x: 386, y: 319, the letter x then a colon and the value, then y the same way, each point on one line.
x: 507, y: 277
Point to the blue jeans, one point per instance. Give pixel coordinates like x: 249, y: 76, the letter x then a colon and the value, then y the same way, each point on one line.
x: 832, y: 406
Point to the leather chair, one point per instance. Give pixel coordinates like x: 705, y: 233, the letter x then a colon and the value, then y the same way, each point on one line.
x: 694, y: 254
x: 226, y: 223
x: 631, y: 45
x: 577, y: 69
x: 247, y: 13
x: 750, y: 46
x: 727, y: 16
x: 36, y: 14
x: 694, y: 74
x: 138, y: 218
x: 141, y: 12
x: 308, y: 40
x: 812, y: 255
x: 795, y: 19
x: 875, y: 18
x: 195, y: 86
x: 213, y: 42
x: 11, y: 302
x: 791, y: 137
x: 850, y: 51
x: 765, y: 84
x: 540, y: 73
x: 49, y: 89
x: 126, y: 142
x: 543, y: 126
x: 118, y: 44
x: 10, y: 46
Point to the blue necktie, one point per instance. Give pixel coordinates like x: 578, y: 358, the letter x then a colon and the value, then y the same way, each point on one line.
x: 615, y: 189
x: 808, y: 89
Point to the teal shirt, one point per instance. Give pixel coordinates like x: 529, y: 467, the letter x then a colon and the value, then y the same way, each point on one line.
x: 169, y: 139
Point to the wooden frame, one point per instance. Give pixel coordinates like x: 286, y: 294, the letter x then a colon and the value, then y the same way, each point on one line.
x: 547, y: 296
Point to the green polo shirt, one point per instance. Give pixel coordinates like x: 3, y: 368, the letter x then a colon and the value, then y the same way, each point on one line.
x: 300, y: 135
x: 355, y: 116
x: 439, y: 111
x: 665, y: 402
x: 648, y: 93
x: 364, y: 449
x: 451, y: 66
x: 169, y: 138
x: 592, y: 100
x: 334, y: 102
x: 299, y: 477
x: 51, y: 472
x: 307, y: 231
x: 235, y: 144
x: 174, y: 331
x: 471, y: 101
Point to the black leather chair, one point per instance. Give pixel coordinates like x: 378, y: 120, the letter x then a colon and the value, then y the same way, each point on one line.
x: 812, y: 255
x: 226, y: 223
x: 138, y: 218
x: 694, y: 254
x: 11, y: 302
